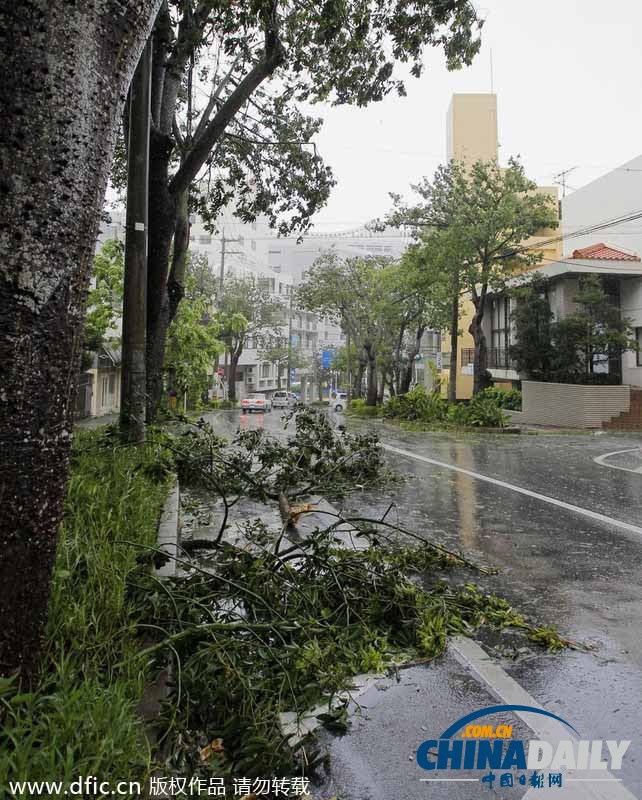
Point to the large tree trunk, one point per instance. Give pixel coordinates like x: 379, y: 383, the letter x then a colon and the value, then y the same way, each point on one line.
x: 371, y: 395
x: 454, y: 338
x: 162, y: 222
x: 231, y: 380
x: 480, y: 381
x: 65, y: 72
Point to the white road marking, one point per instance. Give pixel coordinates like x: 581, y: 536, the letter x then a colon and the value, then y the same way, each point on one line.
x: 594, y: 515
x: 506, y: 689
x: 601, y: 460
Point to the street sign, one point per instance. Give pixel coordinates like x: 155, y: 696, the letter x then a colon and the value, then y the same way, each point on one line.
x: 326, y: 359
x: 438, y: 361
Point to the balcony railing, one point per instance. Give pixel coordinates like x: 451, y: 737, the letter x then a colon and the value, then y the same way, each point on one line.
x: 497, y: 357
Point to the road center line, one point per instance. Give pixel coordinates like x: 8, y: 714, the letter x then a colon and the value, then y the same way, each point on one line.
x: 616, y: 523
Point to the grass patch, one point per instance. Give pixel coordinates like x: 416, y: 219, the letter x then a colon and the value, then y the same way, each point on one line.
x: 81, y: 719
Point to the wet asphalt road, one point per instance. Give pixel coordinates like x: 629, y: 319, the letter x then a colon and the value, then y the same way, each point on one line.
x: 558, y: 566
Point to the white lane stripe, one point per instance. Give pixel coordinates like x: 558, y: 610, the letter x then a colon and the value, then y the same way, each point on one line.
x: 601, y: 460
x: 616, y: 523
x: 506, y: 689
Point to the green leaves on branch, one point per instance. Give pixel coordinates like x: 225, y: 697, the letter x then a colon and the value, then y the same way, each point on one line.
x: 105, y: 299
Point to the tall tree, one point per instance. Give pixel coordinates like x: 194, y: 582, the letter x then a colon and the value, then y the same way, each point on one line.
x: 345, y: 291
x: 226, y: 128
x: 246, y: 311
x: 64, y: 76
x: 481, y: 216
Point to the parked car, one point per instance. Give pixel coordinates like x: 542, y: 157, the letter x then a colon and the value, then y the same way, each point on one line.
x: 340, y: 401
x: 284, y: 400
x: 256, y: 402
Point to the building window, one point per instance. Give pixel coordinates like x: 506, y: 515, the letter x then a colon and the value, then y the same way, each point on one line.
x: 265, y: 370
x: 204, y: 239
x: 638, y: 339
x: 253, y: 244
x: 104, y: 391
x: 500, y: 323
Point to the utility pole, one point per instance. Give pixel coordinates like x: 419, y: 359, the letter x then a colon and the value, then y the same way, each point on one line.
x: 221, y: 277
x: 133, y: 376
x: 289, y: 376
x: 221, y: 286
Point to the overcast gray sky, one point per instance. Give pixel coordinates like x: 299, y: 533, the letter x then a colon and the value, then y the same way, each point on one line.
x: 568, y: 75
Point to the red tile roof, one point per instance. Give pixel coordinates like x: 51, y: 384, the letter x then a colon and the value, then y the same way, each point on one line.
x: 602, y: 252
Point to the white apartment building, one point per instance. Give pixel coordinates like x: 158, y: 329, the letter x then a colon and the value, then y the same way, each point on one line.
x: 613, y: 200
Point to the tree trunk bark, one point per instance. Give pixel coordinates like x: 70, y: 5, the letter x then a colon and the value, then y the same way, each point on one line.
x: 454, y: 338
x: 371, y: 395
x: 358, y: 378
x: 65, y: 73
x: 480, y: 381
x: 231, y: 380
x: 162, y: 223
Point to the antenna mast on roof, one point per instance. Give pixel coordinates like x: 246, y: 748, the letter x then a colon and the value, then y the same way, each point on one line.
x: 560, y: 179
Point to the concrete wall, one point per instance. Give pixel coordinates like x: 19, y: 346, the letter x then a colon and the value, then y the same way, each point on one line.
x: 613, y: 195
x: 569, y: 406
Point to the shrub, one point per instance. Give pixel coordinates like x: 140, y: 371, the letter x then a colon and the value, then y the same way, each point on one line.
x: 419, y: 405
x: 483, y: 412
x: 459, y: 414
x: 510, y: 399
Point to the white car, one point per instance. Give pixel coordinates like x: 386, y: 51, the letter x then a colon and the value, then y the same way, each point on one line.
x: 256, y: 402
x: 340, y: 401
x: 284, y: 400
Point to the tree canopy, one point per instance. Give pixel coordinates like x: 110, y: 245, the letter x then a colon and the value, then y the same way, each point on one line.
x: 478, y: 217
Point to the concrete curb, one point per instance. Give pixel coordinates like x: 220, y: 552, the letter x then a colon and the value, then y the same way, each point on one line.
x: 168, y: 531
x: 506, y: 689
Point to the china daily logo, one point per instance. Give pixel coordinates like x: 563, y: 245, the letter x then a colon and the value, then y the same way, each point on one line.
x: 469, y: 744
